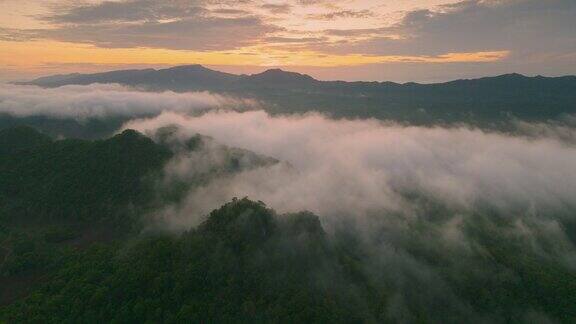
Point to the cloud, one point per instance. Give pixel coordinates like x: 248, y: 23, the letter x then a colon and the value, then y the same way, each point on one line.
x: 174, y: 24
x: 419, y: 201
x: 538, y: 36
x: 230, y: 11
x: 278, y: 39
x: 193, y: 33
x: 282, y: 8
x: 15, y: 35
x: 420, y: 206
x: 343, y: 14
x: 354, y: 32
x: 523, y: 26
x: 99, y: 100
x: 362, y: 167
x: 563, y: 129
x: 124, y: 11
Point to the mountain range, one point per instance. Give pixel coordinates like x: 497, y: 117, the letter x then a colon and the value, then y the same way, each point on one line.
x: 483, y: 100
x: 180, y: 78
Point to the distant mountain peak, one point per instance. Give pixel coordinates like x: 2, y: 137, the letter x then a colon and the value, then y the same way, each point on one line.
x: 280, y: 72
x: 275, y: 76
x: 189, y: 67
x: 512, y: 76
x: 195, y: 74
x: 276, y: 71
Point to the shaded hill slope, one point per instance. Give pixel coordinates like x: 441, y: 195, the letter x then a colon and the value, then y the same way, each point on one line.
x: 489, y: 99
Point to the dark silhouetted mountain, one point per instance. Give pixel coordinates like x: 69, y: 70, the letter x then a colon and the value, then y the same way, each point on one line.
x: 484, y: 100
x: 189, y: 77
x: 179, y: 78
x: 58, y: 78
x: 122, y: 76
x: 278, y: 78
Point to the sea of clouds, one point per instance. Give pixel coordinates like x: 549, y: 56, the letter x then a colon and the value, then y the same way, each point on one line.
x: 80, y: 102
x: 360, y: 166
x: 400, y: 187
x: 403, y: 191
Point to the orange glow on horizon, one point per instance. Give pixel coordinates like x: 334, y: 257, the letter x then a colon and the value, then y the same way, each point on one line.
x: 36, y: 55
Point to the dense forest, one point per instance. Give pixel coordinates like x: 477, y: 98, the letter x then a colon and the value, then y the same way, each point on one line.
x: 79, y: 244
x: 288, y: 161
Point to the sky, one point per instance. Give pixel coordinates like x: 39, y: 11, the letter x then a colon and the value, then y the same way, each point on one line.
x: 397, y: 40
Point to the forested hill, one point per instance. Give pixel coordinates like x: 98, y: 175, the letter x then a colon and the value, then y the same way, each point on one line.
x: 76, y: 246
x: 243, y: 264
x: 99, y: 180
x: 71, y: 193
x: 71, y: 249
x: 74, y: 179
x: 483, y: 100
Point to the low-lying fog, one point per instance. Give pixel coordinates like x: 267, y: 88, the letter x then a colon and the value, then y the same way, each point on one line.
x: 444, y: 191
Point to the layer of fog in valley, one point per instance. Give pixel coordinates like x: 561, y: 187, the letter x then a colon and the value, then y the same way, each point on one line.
x: 288, y: 161
x: 361, y: 166
x: 455, y: 222
x: 81, y: 102
x: 426, y: 203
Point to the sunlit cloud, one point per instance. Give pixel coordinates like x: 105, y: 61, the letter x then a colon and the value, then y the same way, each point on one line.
x: 49, y: 53
x: 35, y: 35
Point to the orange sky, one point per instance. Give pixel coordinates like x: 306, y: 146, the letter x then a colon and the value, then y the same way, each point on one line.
x: 43, y: 37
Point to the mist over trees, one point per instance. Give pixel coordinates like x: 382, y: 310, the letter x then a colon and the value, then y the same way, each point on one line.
x: 185, y: 194
x: 272, y: 200
x: 110, y: 235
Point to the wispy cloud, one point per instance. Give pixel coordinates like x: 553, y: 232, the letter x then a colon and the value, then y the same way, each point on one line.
x: 105, y: 100
x: 360, y: 167
x: 524, y: 34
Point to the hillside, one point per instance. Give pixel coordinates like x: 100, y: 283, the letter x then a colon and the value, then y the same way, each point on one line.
x: 232, y: 268
x: 94, y: 181
x: 76, y: 179
x: 180, y: 78
x: 485, y: 100
x: 77, y: 244
x: 57, y: 194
